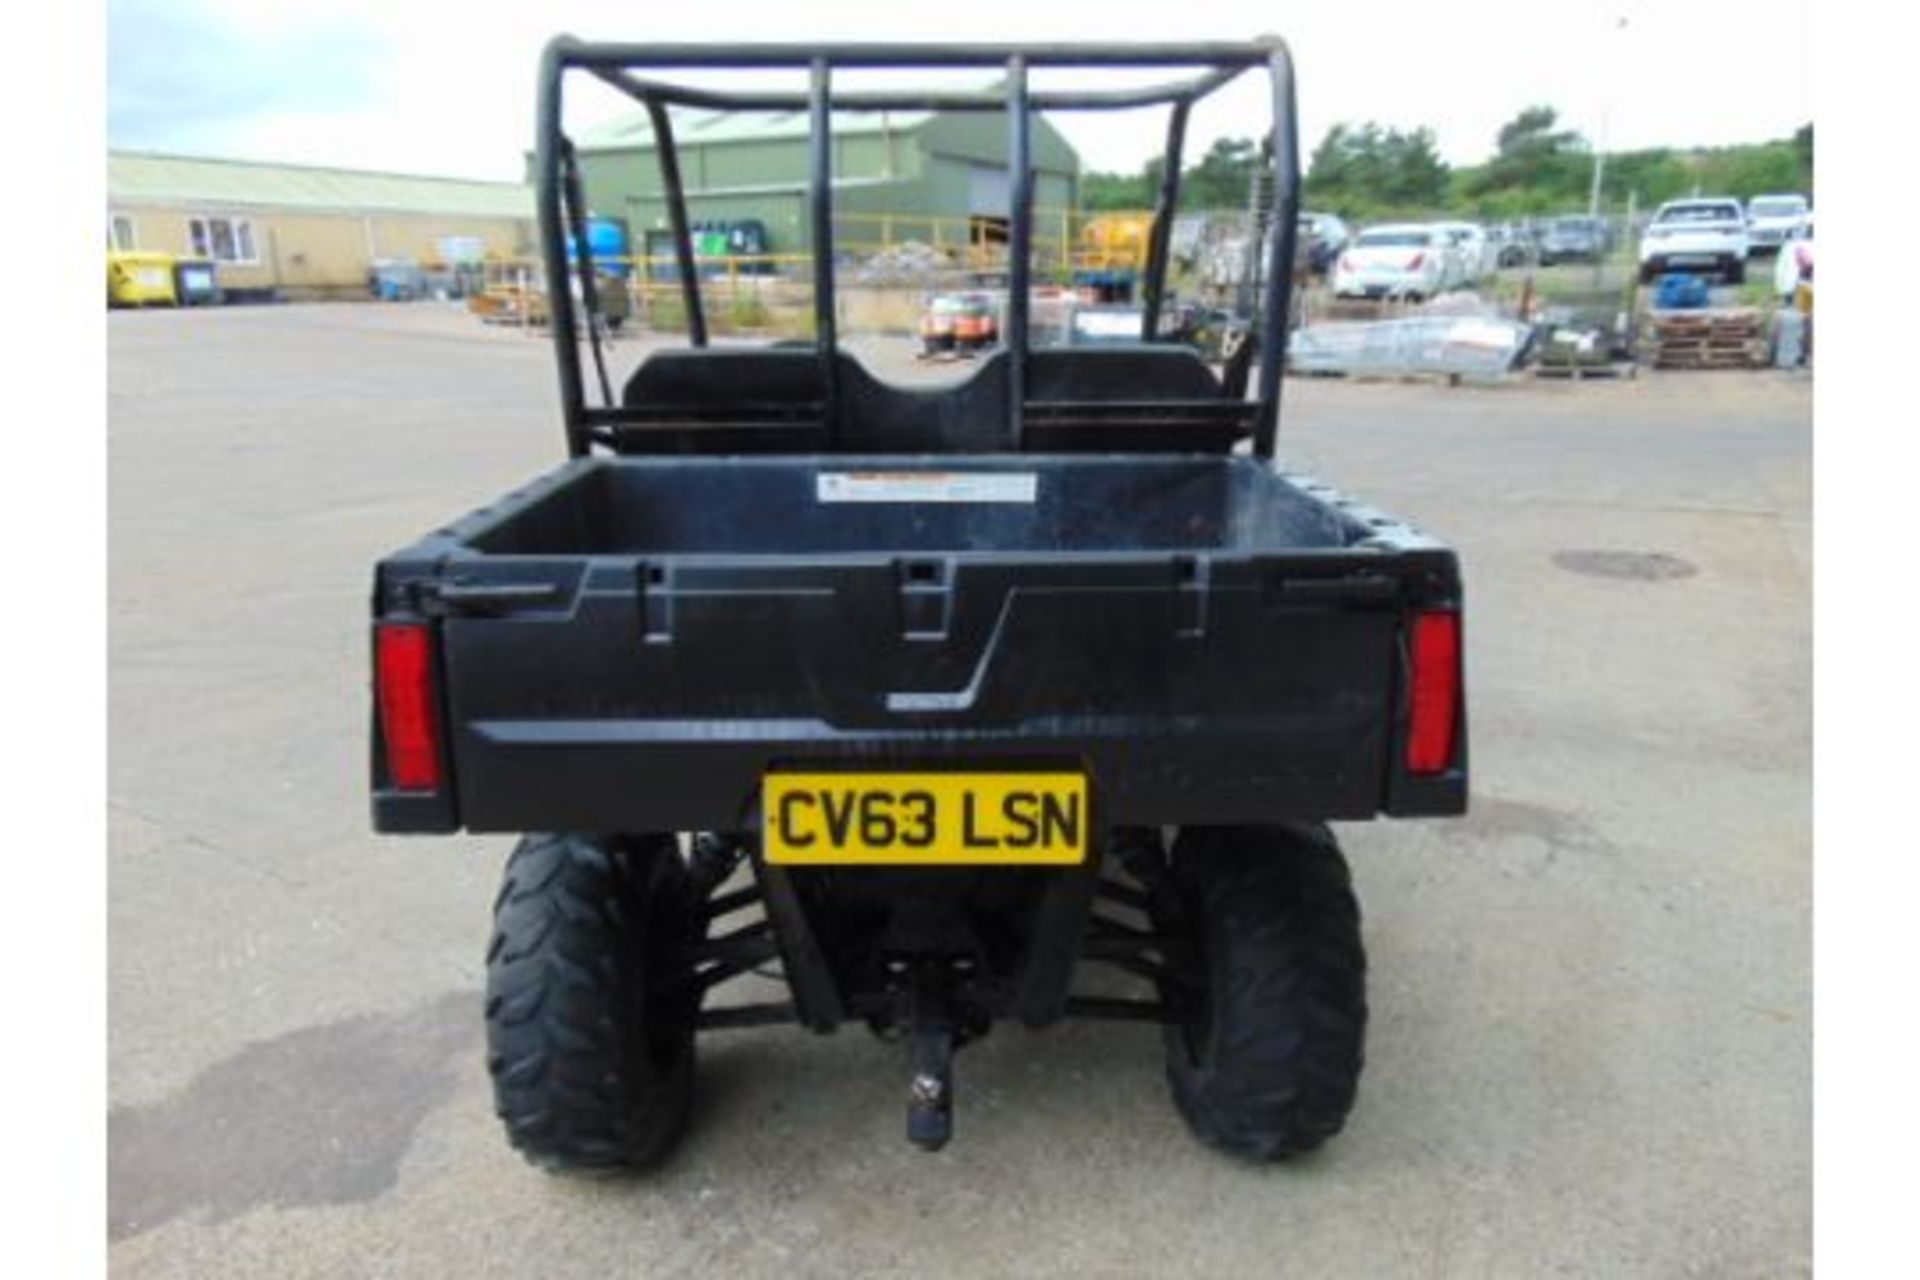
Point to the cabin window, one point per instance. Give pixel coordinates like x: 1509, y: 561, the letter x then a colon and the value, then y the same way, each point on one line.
x: 223, y: 239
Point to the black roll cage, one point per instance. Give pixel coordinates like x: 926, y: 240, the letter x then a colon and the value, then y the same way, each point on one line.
x: 563, y: 213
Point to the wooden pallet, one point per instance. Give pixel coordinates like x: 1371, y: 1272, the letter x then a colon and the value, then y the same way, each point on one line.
x: 1714, y: 338
x: 1413, y: 377
x: 1581, y: 372
x: 1715, y: 343
x: 1726, y: 323
x: 1684, y: 362
x: 1711, y: 354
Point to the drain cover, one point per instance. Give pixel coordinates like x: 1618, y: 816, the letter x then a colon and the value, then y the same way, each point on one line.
x: 1638, y: 566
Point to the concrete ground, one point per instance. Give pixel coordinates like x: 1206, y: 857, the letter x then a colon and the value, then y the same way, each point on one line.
x: 1590, y: 1049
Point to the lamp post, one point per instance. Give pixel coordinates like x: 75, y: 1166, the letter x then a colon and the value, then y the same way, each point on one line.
x: 1600, y: 160
x: 1599, y: 168
x: 1600, y: 147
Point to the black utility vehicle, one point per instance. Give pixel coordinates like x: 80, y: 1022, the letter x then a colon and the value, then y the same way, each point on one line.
x: 948, y: 702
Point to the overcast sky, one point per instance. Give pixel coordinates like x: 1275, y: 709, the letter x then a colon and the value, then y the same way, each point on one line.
x: 432, y: 87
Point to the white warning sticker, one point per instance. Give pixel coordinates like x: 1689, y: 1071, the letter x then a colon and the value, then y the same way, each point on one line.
x: 926, y: 486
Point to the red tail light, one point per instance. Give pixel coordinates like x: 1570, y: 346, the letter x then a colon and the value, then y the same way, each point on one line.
x: 409, y: 724
x: 1435, y: 701
x: 1418, y: 259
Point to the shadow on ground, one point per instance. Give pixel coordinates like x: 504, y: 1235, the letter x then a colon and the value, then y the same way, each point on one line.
x: 318, y: 1116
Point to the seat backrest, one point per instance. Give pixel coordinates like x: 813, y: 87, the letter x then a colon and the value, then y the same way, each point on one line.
x: 722, y: 376
x: 1134, y: 371
x: 760, y: 399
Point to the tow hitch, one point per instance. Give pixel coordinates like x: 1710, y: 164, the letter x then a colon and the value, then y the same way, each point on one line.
x: 931, y: 1040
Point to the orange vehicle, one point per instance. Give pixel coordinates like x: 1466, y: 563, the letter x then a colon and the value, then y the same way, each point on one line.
x: 960, y: 322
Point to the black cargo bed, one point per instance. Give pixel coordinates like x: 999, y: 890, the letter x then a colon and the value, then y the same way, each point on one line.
x: 632, y: 643
x: 1064, y: 505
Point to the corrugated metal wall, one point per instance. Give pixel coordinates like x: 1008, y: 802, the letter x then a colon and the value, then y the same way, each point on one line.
x: 927, y: 171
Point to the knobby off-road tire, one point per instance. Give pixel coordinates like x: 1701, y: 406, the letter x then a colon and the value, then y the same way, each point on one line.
x: 590, y: 1014
x: 1269, y: 1062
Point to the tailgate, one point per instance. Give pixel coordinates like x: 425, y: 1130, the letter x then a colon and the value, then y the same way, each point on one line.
x: 621, y: 693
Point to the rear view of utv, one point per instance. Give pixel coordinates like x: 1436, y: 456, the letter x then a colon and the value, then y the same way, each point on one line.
x: 1027, y: 696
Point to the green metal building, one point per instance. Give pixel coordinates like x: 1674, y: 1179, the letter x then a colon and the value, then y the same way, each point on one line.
x: 900, y: 175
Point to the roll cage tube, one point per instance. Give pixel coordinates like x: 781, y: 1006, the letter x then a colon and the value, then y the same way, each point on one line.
x: 562, y: 210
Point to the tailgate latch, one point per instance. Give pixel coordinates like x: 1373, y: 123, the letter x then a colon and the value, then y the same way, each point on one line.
x: 467, y: 599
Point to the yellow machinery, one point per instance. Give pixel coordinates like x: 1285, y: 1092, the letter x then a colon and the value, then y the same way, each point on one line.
x: 1114, y: 241
x: 1111, y: 255
x: 140, y: 279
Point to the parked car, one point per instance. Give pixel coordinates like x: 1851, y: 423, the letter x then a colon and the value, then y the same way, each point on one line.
x: 960, y: 322
x: 1576, y: 238
x: 1701, y: 236
x: 1400, y: 260
x: 1325, y: 235
x: 1794, y: 263
x: 1513, y: 245
x: 1774, y: 220
x: 1470, y: 253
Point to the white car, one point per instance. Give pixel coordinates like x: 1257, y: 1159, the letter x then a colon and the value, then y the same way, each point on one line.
x: 1403, y: 260
x: 1774, y: 220
x: 1699, y: 236
x: 1472, y: 252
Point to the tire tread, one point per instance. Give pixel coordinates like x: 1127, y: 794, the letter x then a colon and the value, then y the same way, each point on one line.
x: 1283, y: 1044
x: 575, y: 1084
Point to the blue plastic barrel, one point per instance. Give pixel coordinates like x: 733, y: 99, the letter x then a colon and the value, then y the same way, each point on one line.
x: 607, y: 243
x: 1678, y: 291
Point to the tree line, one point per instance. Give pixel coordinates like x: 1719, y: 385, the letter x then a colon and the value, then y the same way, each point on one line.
x: 1368, y: 172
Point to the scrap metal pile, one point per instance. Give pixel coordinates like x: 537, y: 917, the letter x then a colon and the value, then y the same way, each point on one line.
x: 1460, y: 346
x: 911, y: 261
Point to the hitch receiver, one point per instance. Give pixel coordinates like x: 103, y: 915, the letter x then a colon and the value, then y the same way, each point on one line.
x: 931, y: 1042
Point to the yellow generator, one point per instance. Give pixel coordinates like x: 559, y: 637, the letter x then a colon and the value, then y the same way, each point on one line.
x: 140, y: 279
x: 1111, y: 254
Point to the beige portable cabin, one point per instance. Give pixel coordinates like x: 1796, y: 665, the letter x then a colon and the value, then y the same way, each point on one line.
x: 300, y: 232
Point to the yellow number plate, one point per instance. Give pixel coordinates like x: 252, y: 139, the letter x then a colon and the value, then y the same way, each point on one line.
x: 920, y: 819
